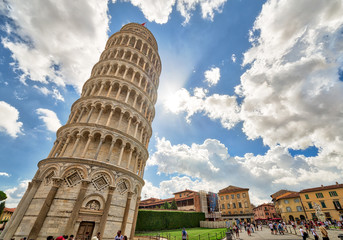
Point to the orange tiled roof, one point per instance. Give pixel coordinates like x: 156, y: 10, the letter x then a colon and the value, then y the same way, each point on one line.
x: 322, y: 188
x: 186, y: 190
x: 288, y: 195
x: 231, y: 189
x: 9, y: 209
x: 279, y: 193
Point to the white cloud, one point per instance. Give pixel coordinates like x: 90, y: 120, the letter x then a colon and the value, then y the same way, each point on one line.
x: 233, y: 58
x: 222, y: 107
x: 212, y: 76
x: 54, y: 92
x: 50, y: 119
x: 45, y: 51
x: 16, y: 193
x: 9, y: 117
x: 5, y: 174
x: 212, y: 168
x: 159, y: 11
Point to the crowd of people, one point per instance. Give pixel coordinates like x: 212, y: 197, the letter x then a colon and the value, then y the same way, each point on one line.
x: 317, y: 229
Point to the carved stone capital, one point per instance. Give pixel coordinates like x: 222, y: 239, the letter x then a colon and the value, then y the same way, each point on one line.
x: 57, y: 181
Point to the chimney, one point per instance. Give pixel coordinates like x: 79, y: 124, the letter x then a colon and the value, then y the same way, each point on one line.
x: 322, y: 185
x: 336, y: 183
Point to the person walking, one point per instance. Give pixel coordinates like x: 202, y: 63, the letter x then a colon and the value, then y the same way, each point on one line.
x: 314, y: 233
x: 184, y: 234
x: 303, y: 233
x: 324, y: 233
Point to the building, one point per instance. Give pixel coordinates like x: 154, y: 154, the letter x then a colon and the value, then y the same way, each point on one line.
x: 92, y: 179
x: 6, y: 214
x: 186, y: 200
x: 290, y: 207
x: 234, y: 203
x: 265, y: 211
x: 5, y: 217
x: 325, y: 200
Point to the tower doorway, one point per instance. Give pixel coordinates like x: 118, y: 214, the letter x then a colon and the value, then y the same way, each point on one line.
x: 85, y: 231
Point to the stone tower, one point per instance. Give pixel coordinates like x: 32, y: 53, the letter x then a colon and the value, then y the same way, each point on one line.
x: 92, y: 179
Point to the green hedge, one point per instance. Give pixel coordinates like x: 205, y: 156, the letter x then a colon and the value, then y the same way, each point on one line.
x: 151, y: 220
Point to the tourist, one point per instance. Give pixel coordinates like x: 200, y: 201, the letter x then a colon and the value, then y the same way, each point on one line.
x: 97, y: 237
x: 125, y: 237
x: 60, y: 238
x: 303, y: 233
x: 325, y: 234
x: 314, y: 233
x: 280, y: 228
x: 184, y: 234
x: 119, y: 236
x: 271, y: 227
x: 50, y: 238
x: 71, y: 237
x: 236, y: 230
x: 275, y: 228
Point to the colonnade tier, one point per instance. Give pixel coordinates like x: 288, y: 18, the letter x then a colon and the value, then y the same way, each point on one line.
x: 110, y: 113
x: 132, y: 56
x: 106, y: 81
x: 112, y: 147
x: 144, y: 41
x: 125, y: 71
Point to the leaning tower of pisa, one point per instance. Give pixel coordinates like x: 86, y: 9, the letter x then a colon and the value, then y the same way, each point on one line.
x: 92, y: 179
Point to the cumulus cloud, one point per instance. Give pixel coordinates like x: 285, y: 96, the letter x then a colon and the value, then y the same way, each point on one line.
x: 208, y: 166
x: 9, y: 117
x: 4, y: 174
x: 292, y: 92
x: 212, y: 76
x: 42, y: 49
x: 54, y: 92
x: 49, y: 118
x: 15, y: 194
x: 160, y: 10
x: 216, y: 107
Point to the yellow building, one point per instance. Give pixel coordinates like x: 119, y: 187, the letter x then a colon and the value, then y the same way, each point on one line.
x: 289, y: 207
x: 234, y: 203
x: 328, y: 198
x: 6, y: 214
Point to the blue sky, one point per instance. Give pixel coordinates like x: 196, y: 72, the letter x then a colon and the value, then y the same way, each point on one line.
x: 250, y: 92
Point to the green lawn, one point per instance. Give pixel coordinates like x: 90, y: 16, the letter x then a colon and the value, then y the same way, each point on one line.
x: 193, y: 234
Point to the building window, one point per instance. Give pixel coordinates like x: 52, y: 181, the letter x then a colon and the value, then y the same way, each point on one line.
x: 233, y: 196
x: 228, y: 206
x: 241, y: 212
x: 299, y: 209
x: 229, y: 212
x: 319, y: 195
x: 180, y: 194
x: 234, y: 205
x: 240, y: 205
x: 221, y: 197
x: 288, y: 209
x: 238, y: 195
x: 333, y: 194
x: 327, y: 215
x: 267, y: 213
x: 223, y: 206
x: 243, y: 195
x: 227, y: 196
x: 337, y: 205
x: 323, y: 204
x: 245, y: 204
x: 286, y: 201
x: 309, y: 205
x: 306, y: 196
x: 296, y: 200
x: 314, y: 216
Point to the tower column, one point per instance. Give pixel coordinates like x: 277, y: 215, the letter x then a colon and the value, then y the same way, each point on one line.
x: 133, y: 228
x: 111, y: 149
x: 90, y: 113
x: 80, y: 116
x: 75, y: 213
x: 78, y: 136
x: 109, y: 117
x: 86, y: 147
x: 106, y: 210
x: 126, y: 213
x: 45, y: 209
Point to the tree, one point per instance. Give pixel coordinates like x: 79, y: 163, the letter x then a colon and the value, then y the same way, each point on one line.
x: 166, y: 205
x: 3, y: 197
x: 173, y: 205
